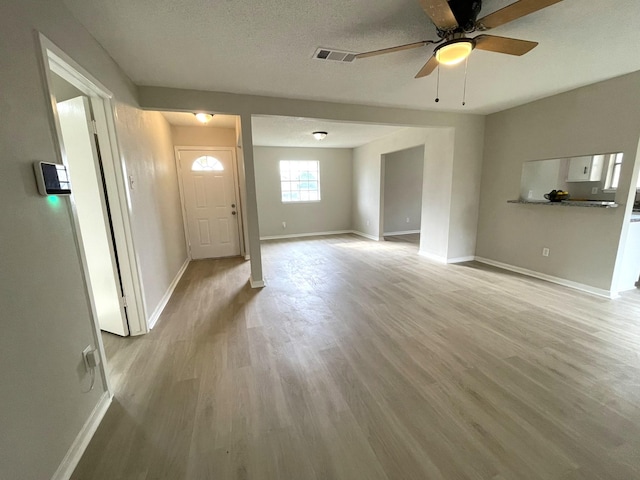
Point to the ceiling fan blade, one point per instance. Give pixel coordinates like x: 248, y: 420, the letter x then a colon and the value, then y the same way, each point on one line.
x: 429, y: 67
x: 510, y: 46
x: 392, y: 49
x: 513, y: 12
x: 440, y: 13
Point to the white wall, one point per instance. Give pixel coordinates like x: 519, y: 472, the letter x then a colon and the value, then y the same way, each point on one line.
x: 43, y: 302
x: 403, y: 190
x: 541, y: 176
x: 147, y: 149
x: 584, y: 242
x: 332, y: 213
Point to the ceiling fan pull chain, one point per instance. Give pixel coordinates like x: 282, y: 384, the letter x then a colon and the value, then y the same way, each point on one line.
x: 438, y: 86
x: 464, y: 90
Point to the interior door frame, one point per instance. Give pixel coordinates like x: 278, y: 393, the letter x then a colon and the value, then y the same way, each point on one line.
x: 54, y: 60
x: 103, y: 230
x: 236, y: 187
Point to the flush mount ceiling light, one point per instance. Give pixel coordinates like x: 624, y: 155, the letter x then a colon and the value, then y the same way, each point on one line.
x: 454, y: 51
x: 204, y: 118
x: 319, y: 135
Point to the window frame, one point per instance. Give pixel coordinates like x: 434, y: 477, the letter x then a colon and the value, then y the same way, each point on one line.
x: 282, y: 181
x: 611, y: 167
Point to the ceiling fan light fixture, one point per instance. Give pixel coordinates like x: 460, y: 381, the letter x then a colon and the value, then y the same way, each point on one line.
x: 454, y: 51
x: 319, y: 135
x: 203, y: 118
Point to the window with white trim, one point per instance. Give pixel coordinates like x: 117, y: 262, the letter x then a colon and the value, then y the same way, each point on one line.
x: 613, y: 172
x: 300, y: 181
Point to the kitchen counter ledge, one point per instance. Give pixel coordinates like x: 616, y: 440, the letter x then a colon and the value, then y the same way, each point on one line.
x: 567, y: 203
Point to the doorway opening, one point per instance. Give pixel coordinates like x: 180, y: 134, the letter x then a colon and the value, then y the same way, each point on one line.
x: 211, y: 183
x: 83, y: 125
x: 402, y: 173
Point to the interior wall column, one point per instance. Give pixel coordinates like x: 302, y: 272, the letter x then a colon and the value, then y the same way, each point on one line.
x: 256, y: 279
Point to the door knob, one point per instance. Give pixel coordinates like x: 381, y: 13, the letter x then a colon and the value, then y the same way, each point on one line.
x: 233, y: 205
x: 233, y: 213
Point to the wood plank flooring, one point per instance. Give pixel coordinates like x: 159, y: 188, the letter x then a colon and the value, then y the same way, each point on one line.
x: 362, y: 360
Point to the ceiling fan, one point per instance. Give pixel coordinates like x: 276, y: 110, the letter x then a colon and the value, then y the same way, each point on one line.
x: 454, y: 19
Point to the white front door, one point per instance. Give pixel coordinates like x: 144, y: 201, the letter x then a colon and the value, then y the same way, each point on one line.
x: 209, y: 195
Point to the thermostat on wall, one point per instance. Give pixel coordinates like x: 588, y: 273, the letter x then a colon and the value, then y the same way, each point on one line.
x: 52, y: 179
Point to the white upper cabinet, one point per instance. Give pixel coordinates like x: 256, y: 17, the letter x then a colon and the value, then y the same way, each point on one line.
x: 586, y: 169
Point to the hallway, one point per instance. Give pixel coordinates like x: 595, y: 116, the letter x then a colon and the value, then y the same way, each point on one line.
x: 362, y: 360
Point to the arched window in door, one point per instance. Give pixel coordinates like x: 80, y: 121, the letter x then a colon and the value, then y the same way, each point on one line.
x: 207, y: 163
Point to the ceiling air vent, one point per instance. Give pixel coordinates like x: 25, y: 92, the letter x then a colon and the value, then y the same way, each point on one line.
x: 335, y: 55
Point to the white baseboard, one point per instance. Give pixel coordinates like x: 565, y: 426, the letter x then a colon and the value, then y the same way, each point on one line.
x: 404, y: 232
x: 445, y: 260
x: 311, y: 234
x: 257, y: 283
x: 153, y: 319
x: 247, y: 257
x: 550, y: 278
x: 365, y: 235
x: 79, y: 445
x: 432, y: 256
x: 461, y: 259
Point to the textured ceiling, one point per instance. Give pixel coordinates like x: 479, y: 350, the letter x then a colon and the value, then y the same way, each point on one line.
x: 265, y: 47
x: 183, y: 119
x: 296, y: 132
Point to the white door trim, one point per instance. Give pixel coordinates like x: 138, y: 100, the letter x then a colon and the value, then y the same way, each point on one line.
x: 90, y: 199
x: 236, y: 187
x: 102, y: 102
x: 53, y: 59
x: 117, y: 183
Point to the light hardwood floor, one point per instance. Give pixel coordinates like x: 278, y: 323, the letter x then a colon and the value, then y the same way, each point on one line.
x: 362, y: 360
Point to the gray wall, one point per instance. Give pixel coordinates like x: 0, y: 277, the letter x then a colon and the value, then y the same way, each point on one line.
x: 450, y: 188
x: 46, y: 318
x: 332, y: 213
x: 403, y: 190
x: 584, y: 242
x: 452, y: 178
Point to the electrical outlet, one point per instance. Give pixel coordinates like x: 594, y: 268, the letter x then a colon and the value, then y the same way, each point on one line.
x: 284, y: 225
x: 85, y: 354
x: 367, y: 223
x: 530, y: 195
x: 594, y: 191
x: 545, y: 252
x: 91, y: 358
x: 407, y: 219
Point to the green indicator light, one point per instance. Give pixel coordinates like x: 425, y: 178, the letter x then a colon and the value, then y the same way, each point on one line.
x: 53, y: 199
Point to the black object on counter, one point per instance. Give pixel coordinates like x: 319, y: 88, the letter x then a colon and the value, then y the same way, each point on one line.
x: 556, y: 195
